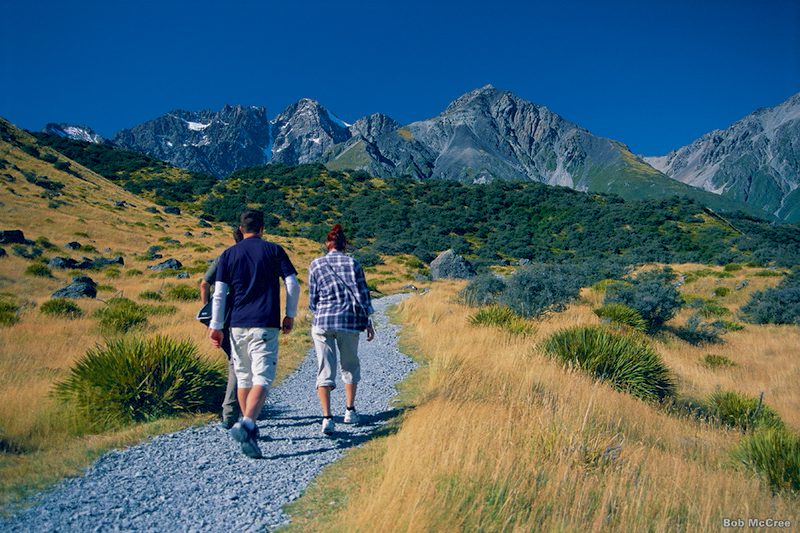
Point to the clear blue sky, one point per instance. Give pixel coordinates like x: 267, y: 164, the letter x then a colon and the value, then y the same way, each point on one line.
x: 655, y: 75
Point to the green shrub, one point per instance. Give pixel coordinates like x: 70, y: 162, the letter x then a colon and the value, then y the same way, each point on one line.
x: 621, y: 315
x: 61, y: 307
x: 182, y: 292
x: 774, y: 454
x: 652, y: 294
x: 158, y: 310
x: 481, y: 290
x: 721, y: 292
x: 768, y: 273
x: 534, y: 291
x: 113, y: 272
x: 715, y: 361
x: 741, y: 411
x: 105, y: 288
x: 732, y: 267
x: 134, y: 380
x: 697, y: 331
x: 151, y: 295
x: 626, y: 361
x: 120, y: 316
x: 9, y: 309
x: 38, y: 270
x: 502, y: 318
x: 713, y: 309
x: 133, y: 272
x: 780, y: 305
x: 730, y: 325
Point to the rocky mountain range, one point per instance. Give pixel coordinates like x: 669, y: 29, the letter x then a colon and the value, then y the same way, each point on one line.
x: 484, y: 135
x: 756, y: 160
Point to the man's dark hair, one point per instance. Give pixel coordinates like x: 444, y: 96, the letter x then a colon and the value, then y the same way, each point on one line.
x: 237, y: 235
x: 251, y: 221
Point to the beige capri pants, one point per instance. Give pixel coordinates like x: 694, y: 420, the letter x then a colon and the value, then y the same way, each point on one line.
x: 326, y: 344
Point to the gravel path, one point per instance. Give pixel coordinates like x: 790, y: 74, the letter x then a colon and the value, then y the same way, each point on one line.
x: 198, y: 479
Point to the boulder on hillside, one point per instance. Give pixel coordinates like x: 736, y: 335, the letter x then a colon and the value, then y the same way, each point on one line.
x: 172, y: 210
x: 81, y: 287
x: 74, y: 245
x: 3, y: 252
x: 173, y: 264
x: 12, y: 236
x: 450, y: 265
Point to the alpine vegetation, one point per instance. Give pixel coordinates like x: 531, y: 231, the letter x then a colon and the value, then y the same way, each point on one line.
x: 627, y: 362
x: 133, y: 380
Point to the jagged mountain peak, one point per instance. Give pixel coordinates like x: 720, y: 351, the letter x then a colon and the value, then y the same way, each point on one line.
x: 69, y: 131
x: 756, y: 160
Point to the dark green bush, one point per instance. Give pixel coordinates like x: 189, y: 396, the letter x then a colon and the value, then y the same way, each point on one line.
x: 502, y: 318
x: 721, y: 292
x: 539, y: 289
x: 484, y: 289
x: 39, y: 270
x: 133, y: 380
x: 697, y: 331
x: 715, y: 361
x: 741, y: 411
x: 61, y: 307
x: 621, y: 315
x: 182, y: 292
x: 151, y: 295
x: 773, y: 454
x: 652, y: 294
x: 120, y: 316
x: 772, y: 306
x: 627, y: 362
x: 9, y: 309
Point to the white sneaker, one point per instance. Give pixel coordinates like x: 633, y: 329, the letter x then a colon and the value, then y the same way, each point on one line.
x: 327, y: 426
x: 351, y: 417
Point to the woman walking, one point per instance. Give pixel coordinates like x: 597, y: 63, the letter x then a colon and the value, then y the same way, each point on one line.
x: 340, y: 301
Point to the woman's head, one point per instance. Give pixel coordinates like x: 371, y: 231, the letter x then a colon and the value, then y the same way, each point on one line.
x: 336, y: 240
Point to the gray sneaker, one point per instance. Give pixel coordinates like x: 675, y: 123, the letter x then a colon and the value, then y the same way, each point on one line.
x: 248, y: 439
x: 327, y: 426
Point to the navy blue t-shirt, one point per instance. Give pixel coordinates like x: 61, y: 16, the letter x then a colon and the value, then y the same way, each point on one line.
x: 252, y: 269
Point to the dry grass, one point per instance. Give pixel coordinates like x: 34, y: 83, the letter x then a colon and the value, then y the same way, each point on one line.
x: 504, y: 439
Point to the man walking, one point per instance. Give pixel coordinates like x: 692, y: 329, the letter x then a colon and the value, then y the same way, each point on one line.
x: 250, y: 271
x: 230, y: 405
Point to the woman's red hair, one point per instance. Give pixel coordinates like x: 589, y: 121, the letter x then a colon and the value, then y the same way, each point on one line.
x: 336, y: 236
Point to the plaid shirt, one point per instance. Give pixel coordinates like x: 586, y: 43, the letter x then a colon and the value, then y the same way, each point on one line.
x: 331, y: 301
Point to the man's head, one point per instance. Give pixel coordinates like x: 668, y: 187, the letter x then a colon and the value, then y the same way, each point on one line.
x: 251, y: 221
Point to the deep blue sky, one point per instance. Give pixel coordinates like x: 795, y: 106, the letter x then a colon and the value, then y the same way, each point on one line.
x: 655, y: 75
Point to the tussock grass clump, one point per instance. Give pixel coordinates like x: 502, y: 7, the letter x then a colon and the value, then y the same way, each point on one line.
x: 120, y: 316
x: 502, y: 318
x: 61, y: 307
x: 621, y: 315
x: 133, y: 380
x: 151, y: 295
x: 626, y: 361
x: 38, y: 270
x: 8, y: 310
x: 721, y: 292
x: 182, y: 292
x: 775, y: 455
x: 712, y: 310
x: 716, y: 361
x: 742, y: 411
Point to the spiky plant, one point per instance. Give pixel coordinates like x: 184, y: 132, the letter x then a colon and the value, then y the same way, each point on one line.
x: 134, y: 380
x: 622, y: 315
x: 742, y: 411
x: 775, y: 455
x: 61, y: 307
x: 120, y: 316
x: 502, y: 318
x: 626, y: 361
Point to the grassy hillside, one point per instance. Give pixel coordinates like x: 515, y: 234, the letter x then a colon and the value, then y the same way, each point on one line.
x: 494, y: 435
x: 39, y: 442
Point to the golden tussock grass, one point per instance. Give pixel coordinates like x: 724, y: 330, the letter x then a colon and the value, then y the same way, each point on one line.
x: 501, y: 438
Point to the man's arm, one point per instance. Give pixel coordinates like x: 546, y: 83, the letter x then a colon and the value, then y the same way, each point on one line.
x: 218, y: 313
x: 205, y: 291
x: 292, y: 297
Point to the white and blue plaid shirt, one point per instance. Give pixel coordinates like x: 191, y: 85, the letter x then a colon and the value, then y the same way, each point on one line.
x: 338, y: 294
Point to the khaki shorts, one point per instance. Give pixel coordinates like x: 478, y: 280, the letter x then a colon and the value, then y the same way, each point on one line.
x: 254, y: 352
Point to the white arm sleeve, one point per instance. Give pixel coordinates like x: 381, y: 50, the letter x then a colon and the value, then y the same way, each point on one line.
x: 292, y: 295
x: 218, y: 305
